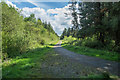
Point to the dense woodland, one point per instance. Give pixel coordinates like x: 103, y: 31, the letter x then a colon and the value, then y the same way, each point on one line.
x: 21, y: 34
x: 95, y: 25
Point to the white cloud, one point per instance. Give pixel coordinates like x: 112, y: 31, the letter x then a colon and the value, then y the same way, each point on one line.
x: 59, y: 20
x: 10, y: 3
x: 39, y: 13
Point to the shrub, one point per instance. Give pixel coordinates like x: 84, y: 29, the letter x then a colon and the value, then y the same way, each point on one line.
x: 79, y: 43
x: 89, y: 42
x: 42, y: 42
x: 69, y: 39
x: 12, y: 31
x: 117, y: 48
x: 93, y: 44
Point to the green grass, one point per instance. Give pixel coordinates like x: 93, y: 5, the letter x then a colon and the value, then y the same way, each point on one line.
x: 23, y: 66
x: 113, y: 56
x: 28, y: 64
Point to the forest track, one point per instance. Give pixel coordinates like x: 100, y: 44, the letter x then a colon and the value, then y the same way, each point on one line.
x: 66, y: 64
x: 100, y: 64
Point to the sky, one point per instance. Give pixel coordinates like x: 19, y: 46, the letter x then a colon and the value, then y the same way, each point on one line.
x: 50, y: 11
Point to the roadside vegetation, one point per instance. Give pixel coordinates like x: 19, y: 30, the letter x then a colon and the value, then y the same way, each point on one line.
x: 24, y: 66
x: 72, y: 44
x: 25, y: 41
x: 20, y: 34
x: 95, y: 29
x: 28, y: 65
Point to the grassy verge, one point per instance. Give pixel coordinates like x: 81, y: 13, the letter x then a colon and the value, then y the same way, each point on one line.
x: 23, y: 66
x: 29, y: 64
x: 113, y: 56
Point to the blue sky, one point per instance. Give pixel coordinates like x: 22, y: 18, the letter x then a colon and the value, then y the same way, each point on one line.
x: 50, y: 11
x: 44, y: 5
x: 24, y: 4
x: 39, y: 0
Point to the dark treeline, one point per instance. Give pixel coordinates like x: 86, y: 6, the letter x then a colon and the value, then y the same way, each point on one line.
x: 96, y: 23
x: 20, y: 34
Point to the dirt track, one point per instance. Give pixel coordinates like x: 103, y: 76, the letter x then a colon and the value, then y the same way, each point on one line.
x: 67, y: 64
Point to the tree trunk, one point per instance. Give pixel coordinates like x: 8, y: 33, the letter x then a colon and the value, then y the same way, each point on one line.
x: 102, y: 38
